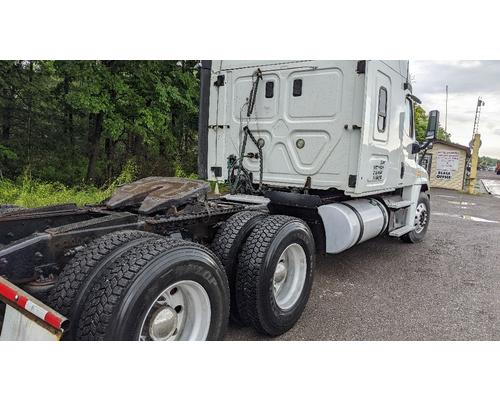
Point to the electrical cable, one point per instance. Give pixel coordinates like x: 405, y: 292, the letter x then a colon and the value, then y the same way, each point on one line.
x: 242, y: 183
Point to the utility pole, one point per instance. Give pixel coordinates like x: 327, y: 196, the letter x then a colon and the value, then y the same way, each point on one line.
x: 446, y: 112
x: 474, y: 146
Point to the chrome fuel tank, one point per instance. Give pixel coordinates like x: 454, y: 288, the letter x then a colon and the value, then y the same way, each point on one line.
x: 352, y: 222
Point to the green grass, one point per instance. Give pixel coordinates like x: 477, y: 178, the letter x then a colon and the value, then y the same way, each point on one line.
x: 38, y: 194
x: 28, y: 192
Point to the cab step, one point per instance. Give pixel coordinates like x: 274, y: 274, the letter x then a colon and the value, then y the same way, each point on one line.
x: 401, y: 231
x: 396, y: 205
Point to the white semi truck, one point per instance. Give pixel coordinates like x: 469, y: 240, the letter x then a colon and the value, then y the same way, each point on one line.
x: 318, y: 156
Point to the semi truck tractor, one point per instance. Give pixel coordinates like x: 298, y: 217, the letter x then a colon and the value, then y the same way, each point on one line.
x: 316, y: 156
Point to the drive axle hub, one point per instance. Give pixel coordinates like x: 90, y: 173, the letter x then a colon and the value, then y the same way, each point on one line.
x: 163, y: 323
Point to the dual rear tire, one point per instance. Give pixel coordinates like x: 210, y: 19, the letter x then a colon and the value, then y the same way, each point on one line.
x: 132, y: 285
x: 271, y: 270
x: 227, y: 245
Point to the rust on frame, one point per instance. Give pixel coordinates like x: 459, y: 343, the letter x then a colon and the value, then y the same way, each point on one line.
x: 156, y: 193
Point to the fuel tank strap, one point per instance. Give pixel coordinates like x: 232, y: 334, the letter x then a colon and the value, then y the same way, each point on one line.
x: 384, y: 213
x: 361, y: 224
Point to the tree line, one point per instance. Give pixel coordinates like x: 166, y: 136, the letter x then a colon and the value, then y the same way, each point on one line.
x: 80, y: 122
x: 486, y: 161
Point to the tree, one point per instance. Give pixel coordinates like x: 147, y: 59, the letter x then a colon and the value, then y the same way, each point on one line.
x: 421, y: 120
x: 486, y: 161
x: 81, y: 121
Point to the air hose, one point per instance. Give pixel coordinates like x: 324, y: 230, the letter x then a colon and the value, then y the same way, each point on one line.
x: 243, y: 182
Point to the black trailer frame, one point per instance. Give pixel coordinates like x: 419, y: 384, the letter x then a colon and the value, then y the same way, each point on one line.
x: 38, y: 242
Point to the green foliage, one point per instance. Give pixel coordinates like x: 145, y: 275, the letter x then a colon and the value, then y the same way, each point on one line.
x: 32, y: 193
x: 6, y: 153
x: 9, y: 192
x: 420, y: 123
x: 442, y: 135
x: 128, y: 174
x: 421, y: 120
x: 486, y: 161
x: 81, y: 121
x: 181, y: 173
x: 29, y: 192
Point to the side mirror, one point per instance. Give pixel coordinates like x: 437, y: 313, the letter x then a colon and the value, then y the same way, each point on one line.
x: 432, y: 125
x: 415, y: 148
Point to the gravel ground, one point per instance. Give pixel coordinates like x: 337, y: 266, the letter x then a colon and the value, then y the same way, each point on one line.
x: 445, y: 288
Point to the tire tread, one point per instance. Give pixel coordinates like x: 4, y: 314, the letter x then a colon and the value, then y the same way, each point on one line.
x: 62, y: 296
x: 227, y: 245
x: 107, y: 293
x: 251, y: 260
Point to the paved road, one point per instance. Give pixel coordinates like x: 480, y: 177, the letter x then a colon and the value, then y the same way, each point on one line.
x: 446, y: 288
x: 491, y: 182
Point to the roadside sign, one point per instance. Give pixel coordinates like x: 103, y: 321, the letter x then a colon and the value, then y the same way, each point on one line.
x: 447, y: 160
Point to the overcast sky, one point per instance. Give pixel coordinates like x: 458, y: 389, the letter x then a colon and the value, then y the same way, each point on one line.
x: 466, y: 81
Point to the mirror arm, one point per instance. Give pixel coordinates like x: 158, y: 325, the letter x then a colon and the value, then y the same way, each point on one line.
x: 425, y: 145
x: 424, y: 149
x: 422, y: 157
x: 414, y: 98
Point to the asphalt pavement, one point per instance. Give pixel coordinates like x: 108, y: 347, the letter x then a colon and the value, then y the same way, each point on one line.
x: 491, y: 182
x: 445, y: 288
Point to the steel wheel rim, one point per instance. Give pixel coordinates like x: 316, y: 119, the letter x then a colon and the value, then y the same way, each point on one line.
x: 420, y: 217
x: 180, y: 312
x: 289, y: 276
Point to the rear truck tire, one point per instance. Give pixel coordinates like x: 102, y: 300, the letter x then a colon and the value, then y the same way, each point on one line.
x: 227, y: 244
x: 69, y: 294
x: 422, y: 219
x: 166, y: 289
x: 275, y: 274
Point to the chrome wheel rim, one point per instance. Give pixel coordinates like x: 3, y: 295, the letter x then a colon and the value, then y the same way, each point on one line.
x: 180, y: 312
x: 421, y: 217
x: 289, y: 276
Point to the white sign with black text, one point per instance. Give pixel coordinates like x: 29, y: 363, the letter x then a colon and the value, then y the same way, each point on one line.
x: 447, y: 162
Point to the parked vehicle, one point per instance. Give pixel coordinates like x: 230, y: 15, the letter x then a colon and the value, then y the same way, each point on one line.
x: 318, y: 155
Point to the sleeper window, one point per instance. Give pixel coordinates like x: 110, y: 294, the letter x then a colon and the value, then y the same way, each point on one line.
x: 382, y: 109
x: 269, y: 89
x: 297, y: 87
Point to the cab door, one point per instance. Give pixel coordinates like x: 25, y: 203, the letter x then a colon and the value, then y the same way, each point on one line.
x: 380, y: 147
x: 407, y: 134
